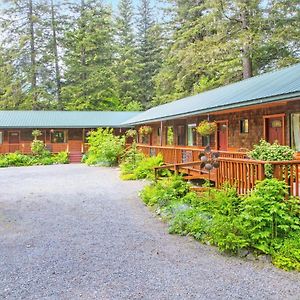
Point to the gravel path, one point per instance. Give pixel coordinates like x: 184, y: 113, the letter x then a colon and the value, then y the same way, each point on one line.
x: 77, y: 232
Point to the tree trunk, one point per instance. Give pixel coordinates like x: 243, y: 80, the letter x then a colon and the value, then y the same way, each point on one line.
x: 56, y: 59
x: 246, y: 50
x: 32, y: 53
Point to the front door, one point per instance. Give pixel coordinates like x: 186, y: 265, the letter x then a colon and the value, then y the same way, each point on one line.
x: 222, y: 136
x: 13, y: 140
x: 274, y: 130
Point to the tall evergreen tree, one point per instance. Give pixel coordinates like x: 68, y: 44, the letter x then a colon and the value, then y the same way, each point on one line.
x: 127, y: 66
x: 90, y: 82
x: 23, y: 29
x: 11, y: 95
x: 149, y: 51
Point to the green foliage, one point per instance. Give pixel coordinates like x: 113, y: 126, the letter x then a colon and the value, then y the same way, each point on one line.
x: 288, y: 256
x: 105, y: 148
x: 17, y: 159
x: 267, y: 216
x: 271, y: 152
x: 135, y: 165
x: 165, y: 191
x: 189, y: 222
x: 61, y: 158
x: 264, y: 221
x: 206, y: 128
x: 38, y: 148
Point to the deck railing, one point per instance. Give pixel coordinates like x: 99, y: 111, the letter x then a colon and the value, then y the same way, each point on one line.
x: 181, y: 154
x: 235, y: 168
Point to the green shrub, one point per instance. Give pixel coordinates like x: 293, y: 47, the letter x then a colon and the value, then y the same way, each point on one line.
x: 267, y: 216
x: 145, y: 168
x: 271, y: 152
x: 104, y: 147
x: 135, y: 165
x: 265, y: 221
x: 166, y: 190
x: 190, y: 222
x: 130, y: 160
x: 288, y: 256
x: 61, y: 158
x: 17, y: 159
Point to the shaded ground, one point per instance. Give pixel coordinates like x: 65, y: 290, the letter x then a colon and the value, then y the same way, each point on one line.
x: 77, y: 232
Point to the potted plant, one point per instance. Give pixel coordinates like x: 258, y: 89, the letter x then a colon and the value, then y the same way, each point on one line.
x: 206, y: 128
x: 145, y: 130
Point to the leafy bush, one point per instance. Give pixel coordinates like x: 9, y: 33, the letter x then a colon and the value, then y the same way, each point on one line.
x: 163, y: 192
x: 61, y: 158
x: 271, y: 152
x: 130, y: 160
x: 104, y: 147
x: 288, y: 256
x: 38, y: 148
x: 190, y: 222
x: 135, y: 165
x: 17, y: 159
x: 265, y: 221
x: 267, y: 216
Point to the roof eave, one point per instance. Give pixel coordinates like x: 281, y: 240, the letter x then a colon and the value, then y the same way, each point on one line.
x: 287, y: 97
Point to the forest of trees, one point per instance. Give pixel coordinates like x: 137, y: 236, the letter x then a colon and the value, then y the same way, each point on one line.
x: 82, y: 55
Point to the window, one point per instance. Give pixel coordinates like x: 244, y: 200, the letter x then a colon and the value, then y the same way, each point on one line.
x: 1, y: 137
x: 158, y: 133
x: 295, y: 131
x: 205, y: 141
x: 191, y: 132
x: 58, y: 136
x: 244, y: 126
x: 170, y: 135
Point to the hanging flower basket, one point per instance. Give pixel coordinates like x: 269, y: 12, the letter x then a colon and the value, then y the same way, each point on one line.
x: 145, y: 130
x: 206, y: 128
x: 131, y: 133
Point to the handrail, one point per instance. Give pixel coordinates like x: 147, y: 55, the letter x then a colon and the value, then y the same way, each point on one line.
x: 191, y: 148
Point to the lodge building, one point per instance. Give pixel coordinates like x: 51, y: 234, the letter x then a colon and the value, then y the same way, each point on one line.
x: 266, y: 107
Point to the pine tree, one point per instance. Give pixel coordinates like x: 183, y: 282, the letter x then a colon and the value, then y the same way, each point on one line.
x: 11, y: 95
x: 90, y: 82
x: 127, y: 67
x: 23, y: 30
x: 149, y: 51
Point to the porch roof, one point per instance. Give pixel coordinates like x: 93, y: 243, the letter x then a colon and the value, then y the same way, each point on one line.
x: 266, y: 88
x: 64, y: 119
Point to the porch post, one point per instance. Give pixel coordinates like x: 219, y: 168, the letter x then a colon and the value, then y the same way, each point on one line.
x: 161, y: 133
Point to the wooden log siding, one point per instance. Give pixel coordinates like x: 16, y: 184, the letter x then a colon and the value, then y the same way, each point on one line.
x: 235, y: 168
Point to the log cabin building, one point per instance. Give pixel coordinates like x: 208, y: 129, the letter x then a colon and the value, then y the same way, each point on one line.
x: 263, y: 107
x: 266, y: 106
x: 61, y: 130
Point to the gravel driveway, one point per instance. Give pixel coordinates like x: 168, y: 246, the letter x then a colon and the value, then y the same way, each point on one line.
x: 77, y: 232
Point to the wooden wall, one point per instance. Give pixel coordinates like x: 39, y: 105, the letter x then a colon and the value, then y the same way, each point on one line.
x: 236, y: 139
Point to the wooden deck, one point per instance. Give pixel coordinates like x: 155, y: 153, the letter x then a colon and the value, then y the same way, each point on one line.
x: 235, y: 168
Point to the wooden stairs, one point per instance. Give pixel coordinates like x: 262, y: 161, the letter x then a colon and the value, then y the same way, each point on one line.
x: 75, y: 157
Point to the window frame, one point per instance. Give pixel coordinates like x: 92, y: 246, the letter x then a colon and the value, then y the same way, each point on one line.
x: 192, y: 128
x: 59, y: 130
x: 244, y: 129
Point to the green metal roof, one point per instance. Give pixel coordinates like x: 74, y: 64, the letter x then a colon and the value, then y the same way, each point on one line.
x: 265, y: 88
x: 64, y: 119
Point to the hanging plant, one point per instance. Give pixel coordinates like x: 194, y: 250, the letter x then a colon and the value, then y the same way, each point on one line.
x: 36, y: 133
x: 145, y: 130
x: 131, y: 133
x: 206, y: 128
